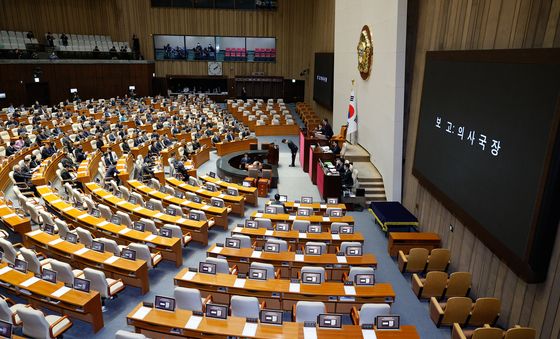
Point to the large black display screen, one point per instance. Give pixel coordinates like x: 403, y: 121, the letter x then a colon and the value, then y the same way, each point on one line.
x: 485, y: 146
x: 323, y: 79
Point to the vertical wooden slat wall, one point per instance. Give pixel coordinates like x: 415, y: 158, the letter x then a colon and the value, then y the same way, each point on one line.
x: 484, y: 24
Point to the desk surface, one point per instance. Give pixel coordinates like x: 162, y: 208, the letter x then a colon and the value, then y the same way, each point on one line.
x: 392, y: 213
x: 205, y: 192
x: 164, y: 321
x: 217, y: 181
x: 312, y: 218
x: 315, y: 205
x: 323, y: 236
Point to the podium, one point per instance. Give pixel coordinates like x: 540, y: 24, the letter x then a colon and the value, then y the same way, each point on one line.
x: 305, y: 141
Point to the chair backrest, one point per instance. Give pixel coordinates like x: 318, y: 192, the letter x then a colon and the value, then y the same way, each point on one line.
x: 521, y: 333
x: 459, y: 284
x: 202, y: 215
x: 150, y: 226
x: 125, y: 192
x: 157, y: 204
x: 434, y: 284
x: 110, y: 246
x: 282, y: 244
x: 154, y: 183
x: 90, y: 204
x: 34, y: 323
x: 487, y: 333
x: 30, y: 257
x: 139, y: 199
x: 98, y: 281
x: 178, y: 210
x: 142, y: 253
x: 359, y: 270
x: 313, y: 269
x: 234, y: 190
x: 270, y: 274
x: 301, y: 225
x: 176, y: 231
x: 369, y: 312
x: 33, y: 212
x: 264, y: 223
x: 85, y: 236
x: 105, y: 211
x: 245, y: 307
x: 485, y: 311
x: 188, y: 298
x: 5, y: 312
x: 457, y: 310
x: 63, y: 271
x: 438, y: 259
x: 125, y: 219
x: 245, y: 240
x: 322, y: 245
x: 47, y: 219
x: 335, y: 226
x: 10, y: 253
x: 222, y: 265
x: 309, y: 310
x: 121, y: 334
x: 417, y: 258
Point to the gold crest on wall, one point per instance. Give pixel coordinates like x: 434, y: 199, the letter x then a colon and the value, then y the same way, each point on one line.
x: 365, y: 52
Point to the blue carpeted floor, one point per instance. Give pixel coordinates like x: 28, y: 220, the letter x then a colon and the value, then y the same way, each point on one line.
x: 295, y: 183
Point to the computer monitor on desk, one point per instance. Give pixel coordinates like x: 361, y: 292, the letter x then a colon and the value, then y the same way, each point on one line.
x: 164, y: 303
x: 5, y: 329
x: 216, y: 311
x: 271, y: 317
x: 330, y: 320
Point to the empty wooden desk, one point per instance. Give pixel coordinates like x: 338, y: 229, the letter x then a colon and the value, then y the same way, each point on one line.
x: 281, y: 293
x: 404, y: 241
x: 224, y: 148
x: 133, y: 273
x: 250, y: 193
x: 291, y: 263
x: 318, y: 208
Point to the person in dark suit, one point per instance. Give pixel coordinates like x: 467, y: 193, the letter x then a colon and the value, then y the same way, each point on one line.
x: 109, y: 159
x: 277, y: 202
x: 79, y: 154
x: 293, y: 150
x: 99, y: 143
x: 180, y: 167
x: 326, y: 129
x: 245, y: 161
x: 10, y: 149
x: 125, y: 147
x: 335, y: 148
x: 48, y: 151
x: 112, y: 174
x: 347, y: 180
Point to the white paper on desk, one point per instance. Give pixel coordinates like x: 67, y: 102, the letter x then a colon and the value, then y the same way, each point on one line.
x: 56, y: 201
x: 310, y: 333
x: 256, y: 254
x: 136, y: 209
x: 323, y: 206
x: 216, y: 249
x: 81, y: 251
x: 326, y: 219
x: 205, y: 207
x: 193, y: 322
x: 299, y: 257
x: 292, y: 217
x: 249, y: 330
x: 9, y: 215
x: 103, y: 223
x: 335, y: 236
x: 258, y: 215
x: 66, y: 209
x: 239, y: 283
x: 296, y: 204
x: 189, y: 275
x: 182, y: 185
x: 34, y: 233
x: 122, y: 202
x: 237, y: 230
x: 141, y: 313
x: 158, y: 214
x: 60, y: 292
x: 111, y: 259
x: 303, y: 235
x: 349, y: 290
x: 269, y: 232
x: 150, y: 237
x: 294, y: 287
x: 221, y: 195
x: 341, y: 259
x: 5, y: 270
x: 81, y: 216
x: 181, y: 220
x: 369, y: 334
x: 55, y: 241
x: 199, y: 190
x: 124, y: 230
x: 30, y: 281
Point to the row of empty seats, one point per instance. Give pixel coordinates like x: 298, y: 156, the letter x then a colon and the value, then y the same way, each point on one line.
x: 15, y: 40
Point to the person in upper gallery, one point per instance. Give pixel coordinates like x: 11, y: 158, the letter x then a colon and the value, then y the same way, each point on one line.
x: 21, y: 129
x: 64, y: 39
x: 19, y: 143
x: 243, y: 94
x: 48, y: 150
x: 20, y: 176
x: 96, y: 48
x: 112, y: 174
x: 30, y: 35
x: 50, y: 39
x: 335, y: 148
x: 347, y: 180
x: 216, y: 138
x: 339, y: 165
x: 10, y: 149
x: 293, y: 150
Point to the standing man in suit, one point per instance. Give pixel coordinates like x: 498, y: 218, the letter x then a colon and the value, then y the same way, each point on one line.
x: 293, y: 150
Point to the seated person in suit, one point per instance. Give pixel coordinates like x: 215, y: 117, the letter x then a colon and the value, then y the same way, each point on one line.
x: 277, y: 202
x: 79, y: 153
x: 112, y: 174
x: 335, y: 148
x: 10, y: 149
x: 48, y: 150
x: 347, y: 180
x: 245, y: 161
x: 216, y: 138
x: 180, y: 167
x: 125, y: 147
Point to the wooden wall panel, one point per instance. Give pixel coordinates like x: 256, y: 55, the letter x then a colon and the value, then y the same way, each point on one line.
x: 484, y: 24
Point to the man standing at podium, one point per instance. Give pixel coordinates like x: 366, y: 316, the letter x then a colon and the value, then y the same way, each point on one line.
x: 293, y: 149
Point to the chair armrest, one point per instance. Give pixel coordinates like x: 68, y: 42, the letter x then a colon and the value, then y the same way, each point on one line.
x: 8, y: 300
x: 402, y: 259
x: 436, y: 312
x: 289, y: 248
x: 294, y: 312
x: 355, y: 315
x: 115, y: 282
x: 254, y: 245
x: 52, y: 326
x: 457, y: 332
x: 417, y: 285
x: 337, y: 249
x: 207, y: 300
x: 233, y: 270
x: 344, y: 276
x: 263, y: 304
x: 277, y: 273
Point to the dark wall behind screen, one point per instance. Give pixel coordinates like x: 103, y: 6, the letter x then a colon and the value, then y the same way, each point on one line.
x: 511, y: 103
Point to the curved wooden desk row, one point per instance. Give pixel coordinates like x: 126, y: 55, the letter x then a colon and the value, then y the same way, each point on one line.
x: 325, y: 222
x: 56, y: 297
x: 291, y: 263
x: 318, y: 208
x: 201, y: 155
x: 170, y: 247
x: 88, y: 168
x: 237, y: 202
x: 224, y: 148
x: 250, y: 193
x: 276, y: 130
x: 133, y: 273
x: 197, y: 229
x: 282, y: 294
x: 159, y: 324
x: 220, y: 214
x: 295, y: 237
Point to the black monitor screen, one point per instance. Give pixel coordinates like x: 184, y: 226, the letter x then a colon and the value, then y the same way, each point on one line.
x: 216, y: 311
x: 197, y: 199
x: 150, y: 205
x: 330, y: 320
x: 206, y: 267
x: 283, y: 198
x: 227, y: 179
x: 304, y: 212
x: 164, y: 303
x: 272, y: 247
x: 311, y: 278
x: 166, y: 232
x: 231, y: 191
x: 194, y: 216
x: 270, y: 210
x: 97, y: 246
x: 314, y: 229
x: 332, y: 201
x: 337, y: 213
x: 217, y: 203
x: 49, y: 229
x: 272, y: 317
x: 251, y: 224
x: 132, y: 200
x: 48, y: 275
x: 171, y: 211
x: 71, y: 237
x: 388, y: 322
x: 257, y: 273
x: 5, y: 329
x: 212, y: 175
x: 20, y: 265
x: 313, y: 250
x: 179, y: 195
x: 116, y: 219
x: 364, y: 279
x: 323, y: 79
x: 346, y: 229
x: 96, y: 213
x: 482, y: 114
x: 306, y: 200
x: 139, y: 226
x: 129, y: 254
x: 353, y: 251
x: 283, y: 227
x: 81, y: 284
x: 233, y: 243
